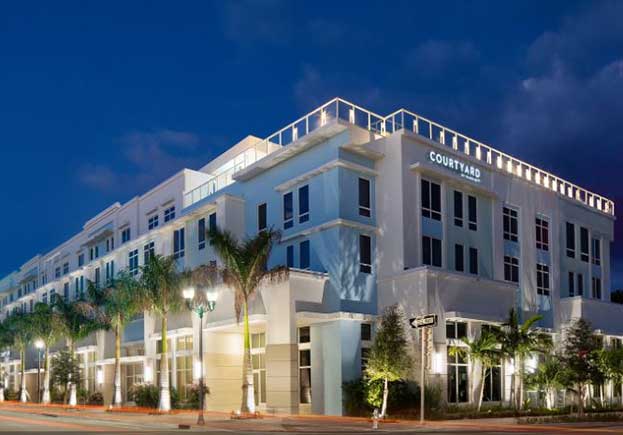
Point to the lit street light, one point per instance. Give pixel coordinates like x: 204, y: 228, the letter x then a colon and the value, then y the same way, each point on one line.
x: 200, y: 306
x: 39, y: 344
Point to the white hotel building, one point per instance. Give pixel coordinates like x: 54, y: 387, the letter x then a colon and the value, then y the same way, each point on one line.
x: 374, y: 210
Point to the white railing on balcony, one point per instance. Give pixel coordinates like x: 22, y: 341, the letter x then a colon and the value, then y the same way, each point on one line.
x: 342, y: 110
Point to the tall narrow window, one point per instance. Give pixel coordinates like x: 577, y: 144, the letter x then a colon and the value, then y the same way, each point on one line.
x: 288, y: 211
x: 365, y: 254
x: 304, y: 256
x: 596, y: 288
x: 261, y: 217
x: 542, y: 279
x: 305, y: 386
x: 542, y: 233
x: 473, y: 261
x: 472, y: 213
x: 66, y: 291
x: 201, y: 233
x: 212, y: 222
x: 290, y: 256
x: 458, y: 384
x: 80, y: 260
x: 148, y: 252
x: 364, y: 197
x: 580, y: 284
x: 458, y: 208
x: 571, y: 282
x: 133, y: 262
x: 431, y: 251
x: 178, y: 243
x: 459, y: 262
x: 570, y: 240
x: 511, y: 224
x: 596, y: 252
x: 431, y: 200
x: 125, y: 235
x: 98, y: 277
x: 511, y: 269
x: 584, y: 244
x: 303, y: 204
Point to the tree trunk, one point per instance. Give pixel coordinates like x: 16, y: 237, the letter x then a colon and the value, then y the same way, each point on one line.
x: 116, y: 399
x: 23, y: 395
x: 581, y: 400
x: 164, y: 404
x: 46, y: 377
x: 73, y: 393
x: 248, y: 391
x: 520, y: 395
x: 386, y: 394
x: 483, y: 373
x: 512, y: 389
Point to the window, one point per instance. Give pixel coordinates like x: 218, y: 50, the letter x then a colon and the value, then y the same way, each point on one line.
x: 178, y: 243
x: 110, y: 272
x: 152, y: 222
x: 305, y: 386
x: 212, y: 222
x: 542, y: 279
x: 125, y: 235
x: 511, y: 224
x: 472, y: 213
x: 542, y: 234
x: 44, y: 297
x: 80, y: 260
x: 365, y: 254
x: 596, y: 252
x: 57, y: 272
x: 290, y: 256
x: 431, y: 200
x: 304, y: 335
x: 66, y: 291
x: 457, y: 379
x: 570, y: 240
x: 184, y: 374
x: 201, y: 233
x: 584, y: 244
x: 148, y: 252
x: 133, y: 376
x: 364, y: 197
x: 76, y: 288
x: 473, y: 261
x: 459, y: 262
x: 456, y: 330
x: 258, y: 361
x: 261, y: 217
x: 580, y: 284
x: 366, y: 332
x: 98, y: 277
x: 571, y: 284
x: 596, y: 288
x: 133, y: 262
x: 65, y: 268
x: 288, y: 211
x: 169, y: 214
x: 431, y: 251
x: 458, y: 208
x: 511, y: 269
x: 303, y: 204
x: 304, y: 254
x: 493, y: 384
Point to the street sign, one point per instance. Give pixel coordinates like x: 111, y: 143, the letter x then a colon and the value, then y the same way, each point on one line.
x: 427, y: 321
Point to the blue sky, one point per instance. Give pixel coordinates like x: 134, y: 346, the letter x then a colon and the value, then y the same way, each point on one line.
x: 101, y: 101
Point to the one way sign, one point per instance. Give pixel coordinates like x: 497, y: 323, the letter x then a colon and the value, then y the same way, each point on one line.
x: 427, y: 321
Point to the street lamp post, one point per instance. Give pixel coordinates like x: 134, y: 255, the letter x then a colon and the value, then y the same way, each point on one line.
x: 39, y: 344
x: 200, y: 306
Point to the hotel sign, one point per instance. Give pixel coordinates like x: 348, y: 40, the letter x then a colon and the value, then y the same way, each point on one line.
x: 465, y: 170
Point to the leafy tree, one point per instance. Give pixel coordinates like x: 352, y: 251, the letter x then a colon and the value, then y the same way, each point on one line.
x: 245, y: 270
x: 76, y: 326
x: 389, y: 359
x: 47, y: 326
x: 518, y: 342
x: 580, y: 358
x: 65, y: 372
x: 18, y: 325
x: 548, y: 377
x: 5, y: 342
x: 161, y: 286
x: 483, y: 350
x: 610, y: 362
x: 113, y: 308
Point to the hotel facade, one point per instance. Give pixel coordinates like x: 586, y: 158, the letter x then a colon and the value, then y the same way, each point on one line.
x: 373, y: 211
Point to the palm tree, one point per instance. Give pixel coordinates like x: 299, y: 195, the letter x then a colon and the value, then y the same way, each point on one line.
x: 76, y: 326
x: 18, y: 325
x: 484, y: 350
x: 519, y: 341
x: 113, y: 308
x: 244, y: 271
x: 47, y: 326
x: 160, y: 292
x: 6, y: 340
x: 548, y: 377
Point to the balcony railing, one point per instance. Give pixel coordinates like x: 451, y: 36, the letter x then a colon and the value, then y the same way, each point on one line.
x: 339, y: 109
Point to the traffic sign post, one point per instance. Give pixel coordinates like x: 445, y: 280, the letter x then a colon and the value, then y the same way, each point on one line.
x: 423, y: 323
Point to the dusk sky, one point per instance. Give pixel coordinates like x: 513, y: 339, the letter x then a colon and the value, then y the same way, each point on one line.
x: 99, y: 104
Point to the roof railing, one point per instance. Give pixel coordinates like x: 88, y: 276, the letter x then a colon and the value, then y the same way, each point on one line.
x: 339, y: 109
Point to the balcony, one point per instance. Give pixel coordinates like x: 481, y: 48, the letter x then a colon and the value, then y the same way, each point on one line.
x: 605, y: 316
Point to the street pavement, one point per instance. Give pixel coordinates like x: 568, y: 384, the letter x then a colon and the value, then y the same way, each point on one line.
x: 16, y: 418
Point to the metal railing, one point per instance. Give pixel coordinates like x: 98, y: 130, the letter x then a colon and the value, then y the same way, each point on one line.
x: 342, y: 110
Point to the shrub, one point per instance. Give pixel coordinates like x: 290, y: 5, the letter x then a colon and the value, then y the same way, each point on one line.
x: 148, y: 395
x: 361, y: 396
x: 96, y: 398
x: 11, y: 395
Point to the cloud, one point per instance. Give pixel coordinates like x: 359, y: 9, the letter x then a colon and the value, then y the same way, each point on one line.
x: 148, y: 157
x: 433, y: 57
x: 253, y: 21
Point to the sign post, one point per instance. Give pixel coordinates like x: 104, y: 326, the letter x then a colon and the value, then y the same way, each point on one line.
x: 423, y: 323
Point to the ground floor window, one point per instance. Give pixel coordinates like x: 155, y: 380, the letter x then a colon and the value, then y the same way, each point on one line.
x: 184, y: 375
x: 493, y: 385
x: 258, y: 360
x: 305, y: 386
x: 133, y: 376
x: 457, y: 379
x: 87, y: 372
